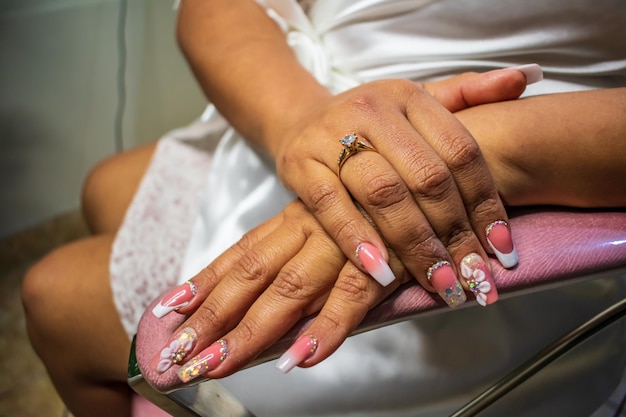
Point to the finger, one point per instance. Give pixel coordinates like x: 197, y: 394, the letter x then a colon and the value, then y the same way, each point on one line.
x: 249, y: 272
x: 332, y: 205
x: 472, y: 89
x: 299, y: 289
x: 352, y: 296
x: 472, y: 180
x: 186, y: 297
x: 429, y: 154
x: 406, y: 227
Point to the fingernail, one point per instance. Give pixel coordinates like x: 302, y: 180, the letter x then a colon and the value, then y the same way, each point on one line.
x: 205, y: 361
x: 533, y: 72
x: 479, y: 280
x: 374, y: 264
x: 175, y: 299
x: 302, y: 349
x: 442, y: 276
x: 501, y: 242
x: 175, y: 351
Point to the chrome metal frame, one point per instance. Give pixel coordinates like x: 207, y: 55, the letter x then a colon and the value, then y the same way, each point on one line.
x: 210, y: 399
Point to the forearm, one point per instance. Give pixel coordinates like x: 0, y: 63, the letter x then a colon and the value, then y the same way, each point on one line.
x: 564, y: 149
x: 245, y: 67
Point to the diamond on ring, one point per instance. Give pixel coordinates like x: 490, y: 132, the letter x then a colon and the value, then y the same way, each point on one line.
x: 351, y: 145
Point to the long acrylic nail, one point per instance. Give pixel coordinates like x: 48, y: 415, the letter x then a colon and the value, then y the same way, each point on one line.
x: 176, y: 350
x: 501, y: 242
x: 301, y: 350
x: 533, y: 72
x: 175, y: 299
x: 374, y: 263
x: 442, y: 277
x: 475, y: 271
x: 205, y: 361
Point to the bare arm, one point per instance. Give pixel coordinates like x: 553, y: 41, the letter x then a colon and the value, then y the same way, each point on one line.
x: 564, y: 149
x: 245, y: 67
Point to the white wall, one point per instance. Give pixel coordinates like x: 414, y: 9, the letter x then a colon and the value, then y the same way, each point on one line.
x: 59, y: 63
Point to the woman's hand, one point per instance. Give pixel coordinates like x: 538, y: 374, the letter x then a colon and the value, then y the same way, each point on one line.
x: 427, y: 188
x: 284, y: 270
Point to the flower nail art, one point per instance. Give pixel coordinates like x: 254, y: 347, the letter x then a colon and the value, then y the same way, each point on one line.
x: 474, y: 270
x: 205, y: 361
x: 177, y: 349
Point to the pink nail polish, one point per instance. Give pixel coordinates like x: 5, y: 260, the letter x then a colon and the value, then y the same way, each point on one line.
x: 501, y: 242
x: 475, y: 271
x: 374, y: 263
x: 447, y: 286
x: 302, y: 349
x: 205, y: 361
x: 533, y: 72
x: 175, y: 299
x: 176, y: 350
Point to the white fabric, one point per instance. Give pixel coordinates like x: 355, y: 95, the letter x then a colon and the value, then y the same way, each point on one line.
x: 429, y: 366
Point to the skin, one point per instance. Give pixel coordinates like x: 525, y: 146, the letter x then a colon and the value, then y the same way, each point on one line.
x: 344, y: 297
x: 428, y: 189
x: 525, y: 167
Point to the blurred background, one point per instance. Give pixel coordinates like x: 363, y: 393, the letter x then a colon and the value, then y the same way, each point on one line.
x: 79, y: 80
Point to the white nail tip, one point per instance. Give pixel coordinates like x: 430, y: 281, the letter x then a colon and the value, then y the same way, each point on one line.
x: 159, y: 310
x: 533, y: 72
x: 383, y: 275
x: 508, y: 260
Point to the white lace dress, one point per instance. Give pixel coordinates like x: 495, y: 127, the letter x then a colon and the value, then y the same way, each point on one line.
x: 206, y: 187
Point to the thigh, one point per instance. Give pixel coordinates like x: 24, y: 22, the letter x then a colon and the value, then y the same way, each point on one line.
x: 110, y: 187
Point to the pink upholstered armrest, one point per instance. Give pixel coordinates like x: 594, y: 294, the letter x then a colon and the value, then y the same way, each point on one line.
x: 553, y: 247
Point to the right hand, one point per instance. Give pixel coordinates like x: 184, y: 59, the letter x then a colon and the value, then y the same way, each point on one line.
x: 427, y: 188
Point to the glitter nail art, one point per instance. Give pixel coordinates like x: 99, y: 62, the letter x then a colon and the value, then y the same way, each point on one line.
x: 205, y: 361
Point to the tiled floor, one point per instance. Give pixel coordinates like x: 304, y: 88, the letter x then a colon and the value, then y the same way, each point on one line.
x: 25, y: 389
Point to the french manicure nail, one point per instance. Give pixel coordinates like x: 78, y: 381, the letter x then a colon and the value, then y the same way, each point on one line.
x: 374, y: 263
x: 175, y: 351
x: 442, y: 277
x: 301, y: 350
x: 205, y: 361
x: 175, y: 299
x: 475, y: 271
x: 501, y: 242
x: 533, y: 72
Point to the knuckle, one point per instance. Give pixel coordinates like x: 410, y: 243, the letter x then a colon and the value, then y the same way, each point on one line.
x: 253, y: 267
x: 246, y: 331
x: 462, y: 152
x: 354, y: 287
x: 208, y: 276
x: 331, y: 321
x: 384, y: 191
x: 322, y: 196
x: 487, y: 208
x: 210, y: 318
x: 432, y: 180
x: 291, y: 283
x: 422, y: 243
x: 457, y: 237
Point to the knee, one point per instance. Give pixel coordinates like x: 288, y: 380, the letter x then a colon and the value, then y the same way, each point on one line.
x: 40, y: 300
x: 43, y: 283
x: 98, y: 184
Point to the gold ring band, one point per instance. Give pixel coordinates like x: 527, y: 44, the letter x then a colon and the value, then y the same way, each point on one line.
x: 351, y: 145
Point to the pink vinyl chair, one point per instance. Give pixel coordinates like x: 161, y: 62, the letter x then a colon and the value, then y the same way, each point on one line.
x: 565, y: 246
